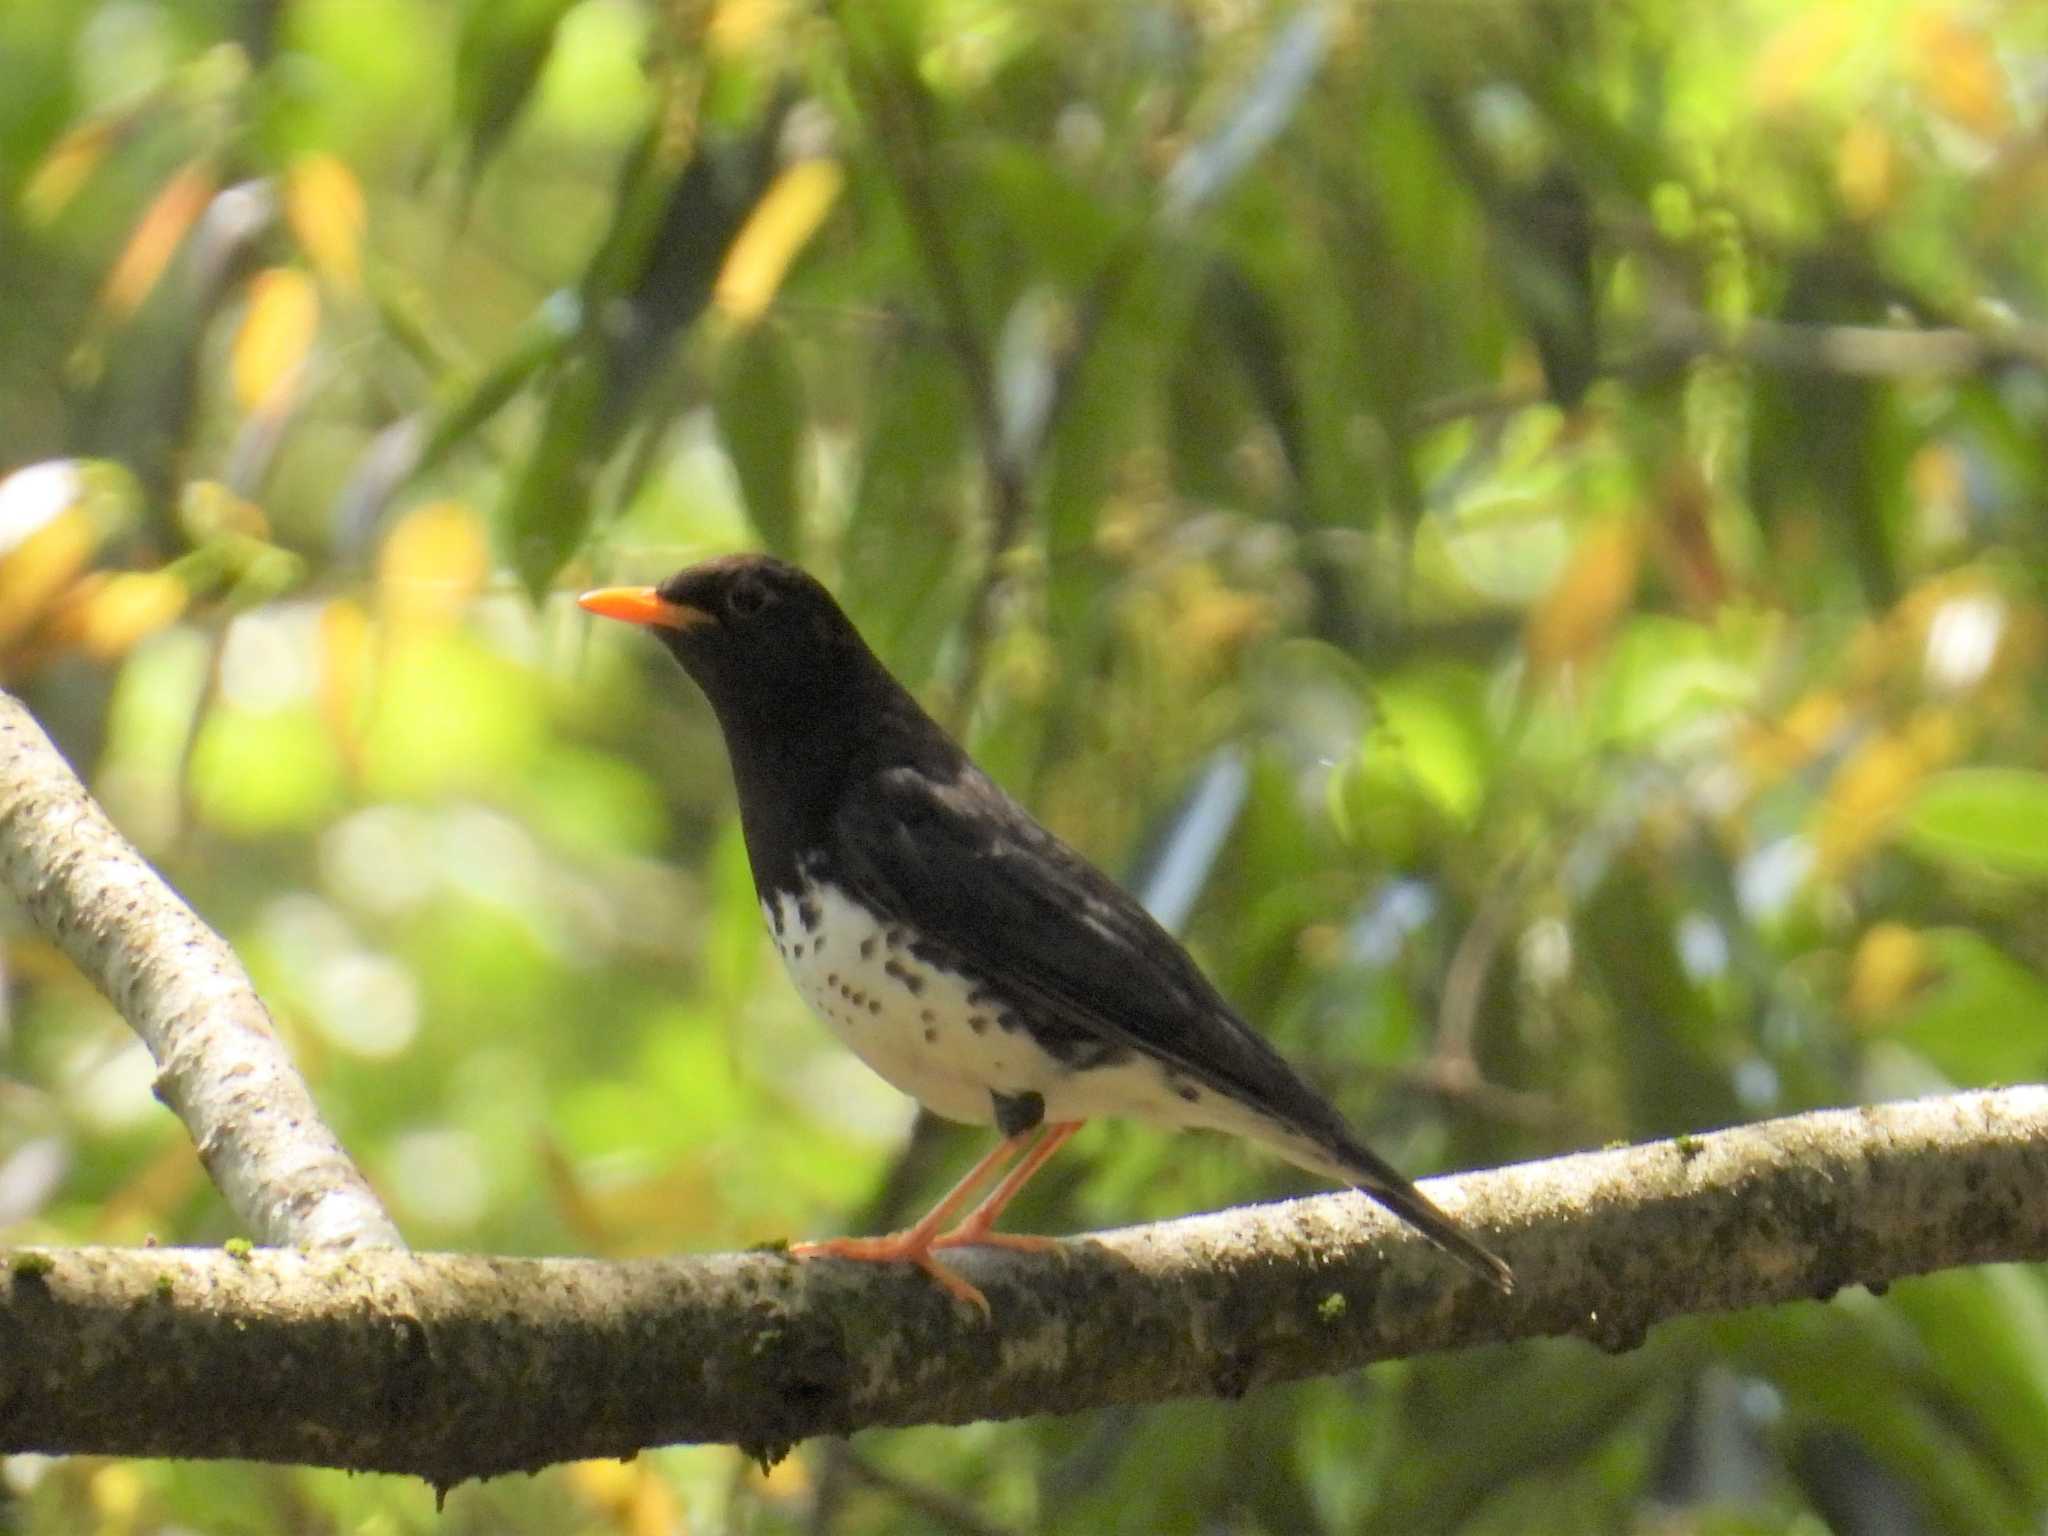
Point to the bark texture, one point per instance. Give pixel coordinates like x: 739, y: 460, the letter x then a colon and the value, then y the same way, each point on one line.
x: 220, y: 1065
x: 454, y: 1367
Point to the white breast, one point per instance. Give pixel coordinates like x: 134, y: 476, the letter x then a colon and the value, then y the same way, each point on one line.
x: 908, y: 1020
x: 942, y: 1038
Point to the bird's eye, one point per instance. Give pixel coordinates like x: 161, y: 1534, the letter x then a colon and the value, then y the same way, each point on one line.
x: 746, y: 599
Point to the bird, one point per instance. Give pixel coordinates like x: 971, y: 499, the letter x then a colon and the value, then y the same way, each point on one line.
x: 960, y: 949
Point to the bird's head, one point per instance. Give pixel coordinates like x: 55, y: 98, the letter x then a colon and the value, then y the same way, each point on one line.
x: 756, y: 634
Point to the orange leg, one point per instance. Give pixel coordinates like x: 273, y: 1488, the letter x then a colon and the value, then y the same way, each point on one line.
x: 977, y: 1228
x: 914, y: 1245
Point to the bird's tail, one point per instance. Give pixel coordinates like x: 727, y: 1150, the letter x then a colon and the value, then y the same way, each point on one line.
x: 1365, y: 1169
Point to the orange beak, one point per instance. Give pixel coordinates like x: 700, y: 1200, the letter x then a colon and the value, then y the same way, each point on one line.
x: 642, y: 605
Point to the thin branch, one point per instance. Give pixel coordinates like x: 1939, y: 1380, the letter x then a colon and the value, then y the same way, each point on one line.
x: 220, y: 1066
x: 941, y: 1508
x: 452, y: 1367
x: 1860, y: 351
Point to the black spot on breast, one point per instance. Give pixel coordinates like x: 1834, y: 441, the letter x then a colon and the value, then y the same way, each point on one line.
x: 867, y: 947
x: 796, y: 950
x: 874, y: 1005
x: 807, y: 913
x: 1017, y: 1113
x: 910, y: 980
x: 931, y: 1035
x: 1007, y: 1021
x: 894, y: 937
x: 1189, y: 1092
x: 978, y: 1022
x: 928, y: 1016
x: 775, y: 918
x: 981, y: 997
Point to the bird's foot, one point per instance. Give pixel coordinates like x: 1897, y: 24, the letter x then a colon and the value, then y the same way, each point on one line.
x: 898, y: 1248
x: 970, y: 1234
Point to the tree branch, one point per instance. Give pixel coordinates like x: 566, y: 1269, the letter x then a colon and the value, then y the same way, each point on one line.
x: 453, y: 1367
x: 220, y: 1066
x: 1849, y: 351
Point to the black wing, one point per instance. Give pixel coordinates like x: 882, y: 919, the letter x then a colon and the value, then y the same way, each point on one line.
x: 964, y: 865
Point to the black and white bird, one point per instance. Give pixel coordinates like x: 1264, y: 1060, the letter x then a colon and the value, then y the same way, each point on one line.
x: 962, y: 951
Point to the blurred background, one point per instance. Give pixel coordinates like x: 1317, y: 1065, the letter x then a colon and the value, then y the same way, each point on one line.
x: 1516, y: 524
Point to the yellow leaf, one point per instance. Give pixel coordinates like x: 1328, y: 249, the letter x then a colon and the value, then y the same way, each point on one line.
x: 109, y: 613
x: 433, y: 564
x: 323, y: 203
x: 1958, y: 73
x: 1574, y: 619
x: 346, y: 666
x: 116, y: 1491
x: 738, y: 26
x: 1866, y: 169
x: 1889, y: 965
x: 155, y: 239
x: 1776, y: 749
x: 788, y: 214
x: 1796, y: 56
x: 788, y: 1480
x: 1862, y: 799
x: 633, y: 1496
x: 1876, y: 782
x: 70, y: 162
x: 277, y: 332
x: 41, y: 564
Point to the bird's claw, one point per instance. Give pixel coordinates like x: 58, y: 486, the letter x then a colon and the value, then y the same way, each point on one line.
x: 898, y: 1248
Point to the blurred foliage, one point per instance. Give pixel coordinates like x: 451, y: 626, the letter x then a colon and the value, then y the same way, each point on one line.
x: 1518, y: 524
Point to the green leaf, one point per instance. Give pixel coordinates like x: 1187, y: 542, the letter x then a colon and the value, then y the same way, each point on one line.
x: 759, y: 408
x: 549, y: 509
x: 1993, y: 818
x: 1432, y: 723
x: 1979, y: 1022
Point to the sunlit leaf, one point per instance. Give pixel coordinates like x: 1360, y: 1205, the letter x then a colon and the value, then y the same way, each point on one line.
x: 276, y: 335
x: 47, y: 535
x: 1866, y: 796
x: 155, y: 239
x: 633, y: 1497
x: 324, y: 204
x: 1432, y: 731
x: 739, y: 26
x: 1956, y: 68
x: 787, y: 215
x: 433, y: 564
x: 1988, y: 818
x: 1867, y: 168
x: 108, y: 613
x: 1803, y: 49
x: 1972, y: 1011
x: 254, y: 775
x: 1890, y: 962
x: 346, y: 669
x: 1572, y: 623
x: 67, y: 166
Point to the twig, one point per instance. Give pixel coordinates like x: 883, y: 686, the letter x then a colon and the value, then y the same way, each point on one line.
x: 1862, y: 351
x: 935, y: 1504
x: 452, y: 1367
x: 220, y: 1066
